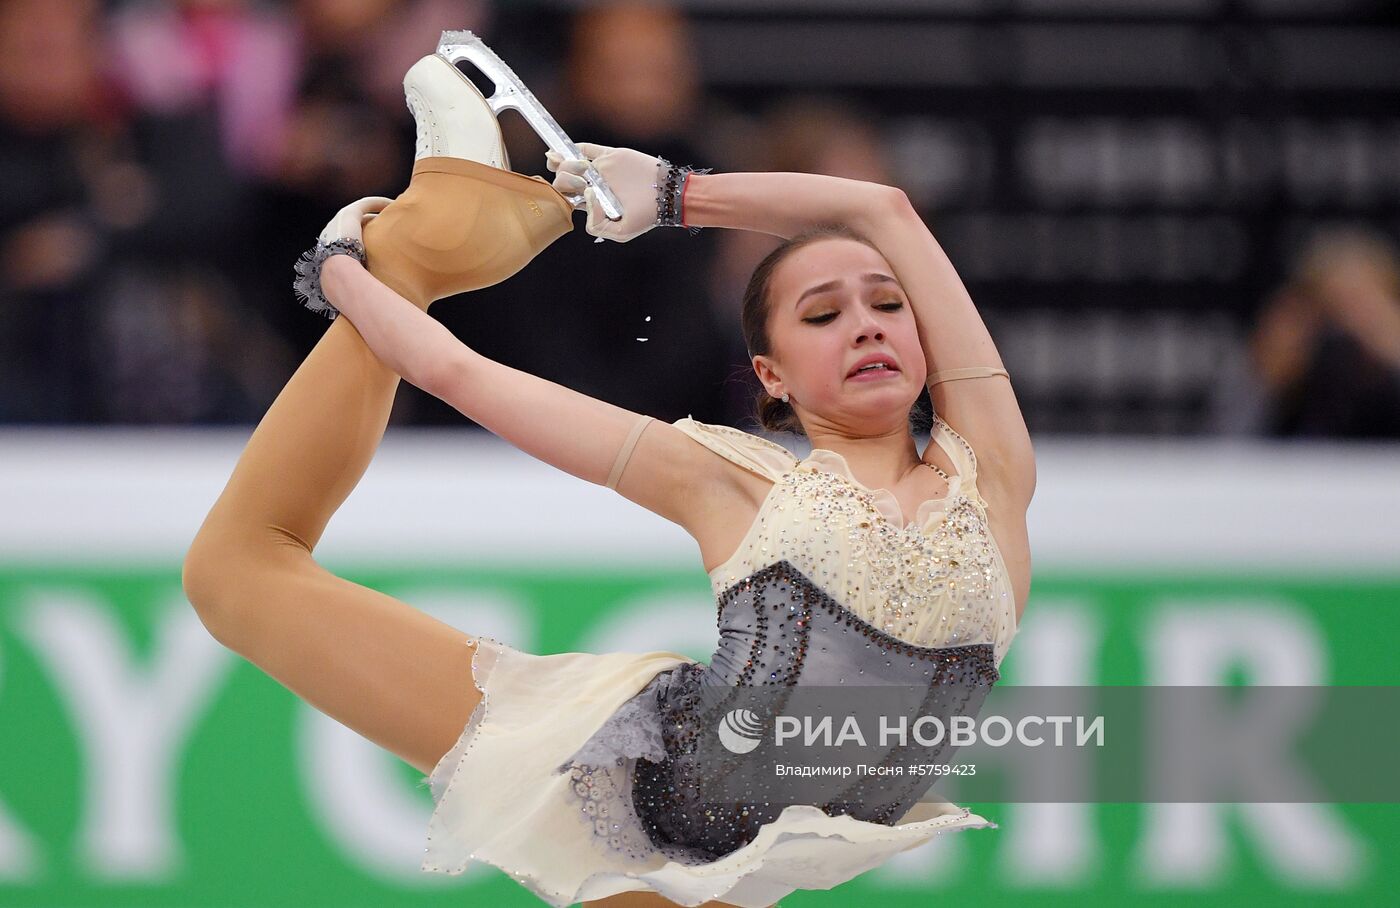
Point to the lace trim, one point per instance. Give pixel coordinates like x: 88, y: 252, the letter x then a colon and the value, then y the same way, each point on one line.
x: 604, y: 800
x: 307, y: 283
x: 601, y: 773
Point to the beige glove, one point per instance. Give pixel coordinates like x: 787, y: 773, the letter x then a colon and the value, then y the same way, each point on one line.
x: 349, y: 222
x: 633, y: 177
x: 344, y: 235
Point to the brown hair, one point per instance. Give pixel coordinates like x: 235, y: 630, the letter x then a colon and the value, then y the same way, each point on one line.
x: 771, y: 413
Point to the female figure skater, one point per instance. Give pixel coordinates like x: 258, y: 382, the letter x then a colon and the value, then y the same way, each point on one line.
x: 576, y: 773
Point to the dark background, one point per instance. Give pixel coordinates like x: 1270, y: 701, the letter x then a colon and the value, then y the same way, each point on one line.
x: 1176, y: 217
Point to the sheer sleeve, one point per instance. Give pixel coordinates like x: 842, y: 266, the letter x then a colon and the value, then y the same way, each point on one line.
x: 957, y: 448
x: 759, y: 455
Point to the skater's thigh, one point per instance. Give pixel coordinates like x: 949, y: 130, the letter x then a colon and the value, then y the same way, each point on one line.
x: 397, y: 676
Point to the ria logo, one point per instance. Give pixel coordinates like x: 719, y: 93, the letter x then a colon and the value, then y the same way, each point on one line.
x: 740, y: 731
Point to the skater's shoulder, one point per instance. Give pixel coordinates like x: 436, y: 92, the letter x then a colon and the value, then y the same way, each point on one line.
x: 754, y: 452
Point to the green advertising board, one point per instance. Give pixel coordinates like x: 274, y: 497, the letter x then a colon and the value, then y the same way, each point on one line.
x: 141, y: 763
x: 145, y: 765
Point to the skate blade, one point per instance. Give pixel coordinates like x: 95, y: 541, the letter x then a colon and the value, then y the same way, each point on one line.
x: 511, y: 94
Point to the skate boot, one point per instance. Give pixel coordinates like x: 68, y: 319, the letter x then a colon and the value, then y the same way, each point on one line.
x: 466, y: 220
x: 454, y: 120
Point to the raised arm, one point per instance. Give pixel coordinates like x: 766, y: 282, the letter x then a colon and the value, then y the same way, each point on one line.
x: 665, y: 472
x: 785, y: 204
x: 951, y: 331
x: 953, y: 335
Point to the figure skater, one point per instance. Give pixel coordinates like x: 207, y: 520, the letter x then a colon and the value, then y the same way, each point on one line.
x: 576, y: 773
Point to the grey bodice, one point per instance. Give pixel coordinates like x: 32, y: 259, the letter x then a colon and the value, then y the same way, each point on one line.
x: 777, y: 629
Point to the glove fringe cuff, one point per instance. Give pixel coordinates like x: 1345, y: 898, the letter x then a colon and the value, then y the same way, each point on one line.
x: 670, y: 195
x: 307, y: 284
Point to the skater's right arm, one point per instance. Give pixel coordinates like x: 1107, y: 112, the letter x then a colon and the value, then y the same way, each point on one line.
x: 666, y: 473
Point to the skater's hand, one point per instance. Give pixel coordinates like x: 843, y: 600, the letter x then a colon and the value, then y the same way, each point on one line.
x: 349, y: 222
x: 631, y: 175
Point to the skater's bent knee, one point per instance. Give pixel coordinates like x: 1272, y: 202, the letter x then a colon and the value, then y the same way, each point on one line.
x: 224, y: 575
x: 206, y: 585
x: 208, y: 576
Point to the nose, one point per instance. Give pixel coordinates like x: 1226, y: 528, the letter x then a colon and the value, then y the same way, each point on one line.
x: 869, y: 330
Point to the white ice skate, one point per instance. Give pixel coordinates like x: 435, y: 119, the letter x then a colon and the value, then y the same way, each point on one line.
x: 510, y: 93
x: 454, y: 120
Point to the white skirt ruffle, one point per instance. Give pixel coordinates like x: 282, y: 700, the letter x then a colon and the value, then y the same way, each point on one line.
x: 498, y: 799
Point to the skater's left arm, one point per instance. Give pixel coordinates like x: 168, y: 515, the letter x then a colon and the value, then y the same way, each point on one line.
x: 984, y: 410
x: 951, y: 330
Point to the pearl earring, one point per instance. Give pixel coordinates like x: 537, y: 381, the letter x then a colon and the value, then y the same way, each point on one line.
x: 785, y: 397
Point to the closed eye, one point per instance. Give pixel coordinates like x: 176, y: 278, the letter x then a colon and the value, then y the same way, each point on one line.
x: 891, y: 306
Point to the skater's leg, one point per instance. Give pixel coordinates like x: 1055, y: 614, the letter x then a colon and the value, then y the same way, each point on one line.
x: 390, y: 672
x: 386, y: 670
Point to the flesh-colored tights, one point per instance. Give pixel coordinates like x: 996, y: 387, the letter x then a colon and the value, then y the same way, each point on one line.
x: 388, y: 671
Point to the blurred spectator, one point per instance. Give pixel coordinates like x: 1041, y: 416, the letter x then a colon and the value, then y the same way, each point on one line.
x: 1325, y: 352
x: 632, y: 72
x: 209, y: 86
x: 349, y: 131
x: 629, y: 323
x: 349, y: 123
x: 109, y: 249
x: 180, y: 345
x: 232, y: 60
x: 52, y: 226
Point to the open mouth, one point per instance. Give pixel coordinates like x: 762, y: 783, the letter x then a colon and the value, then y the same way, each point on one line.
x: 876, y: 367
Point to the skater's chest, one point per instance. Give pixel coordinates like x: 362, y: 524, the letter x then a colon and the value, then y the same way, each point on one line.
x: 851, y: 541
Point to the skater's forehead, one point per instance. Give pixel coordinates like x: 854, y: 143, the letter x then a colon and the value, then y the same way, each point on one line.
x: 873, y: 277
x: 828, y: 266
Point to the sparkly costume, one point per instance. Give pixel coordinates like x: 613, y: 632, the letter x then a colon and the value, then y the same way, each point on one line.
x: 830, y: 586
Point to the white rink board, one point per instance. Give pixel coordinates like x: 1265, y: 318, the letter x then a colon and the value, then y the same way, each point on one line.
x: 94, y: 496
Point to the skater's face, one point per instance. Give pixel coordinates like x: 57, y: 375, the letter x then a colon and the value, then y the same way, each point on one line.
x: 833, y: 304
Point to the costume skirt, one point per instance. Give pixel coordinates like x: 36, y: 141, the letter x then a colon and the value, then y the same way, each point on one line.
x: 501, y: 798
